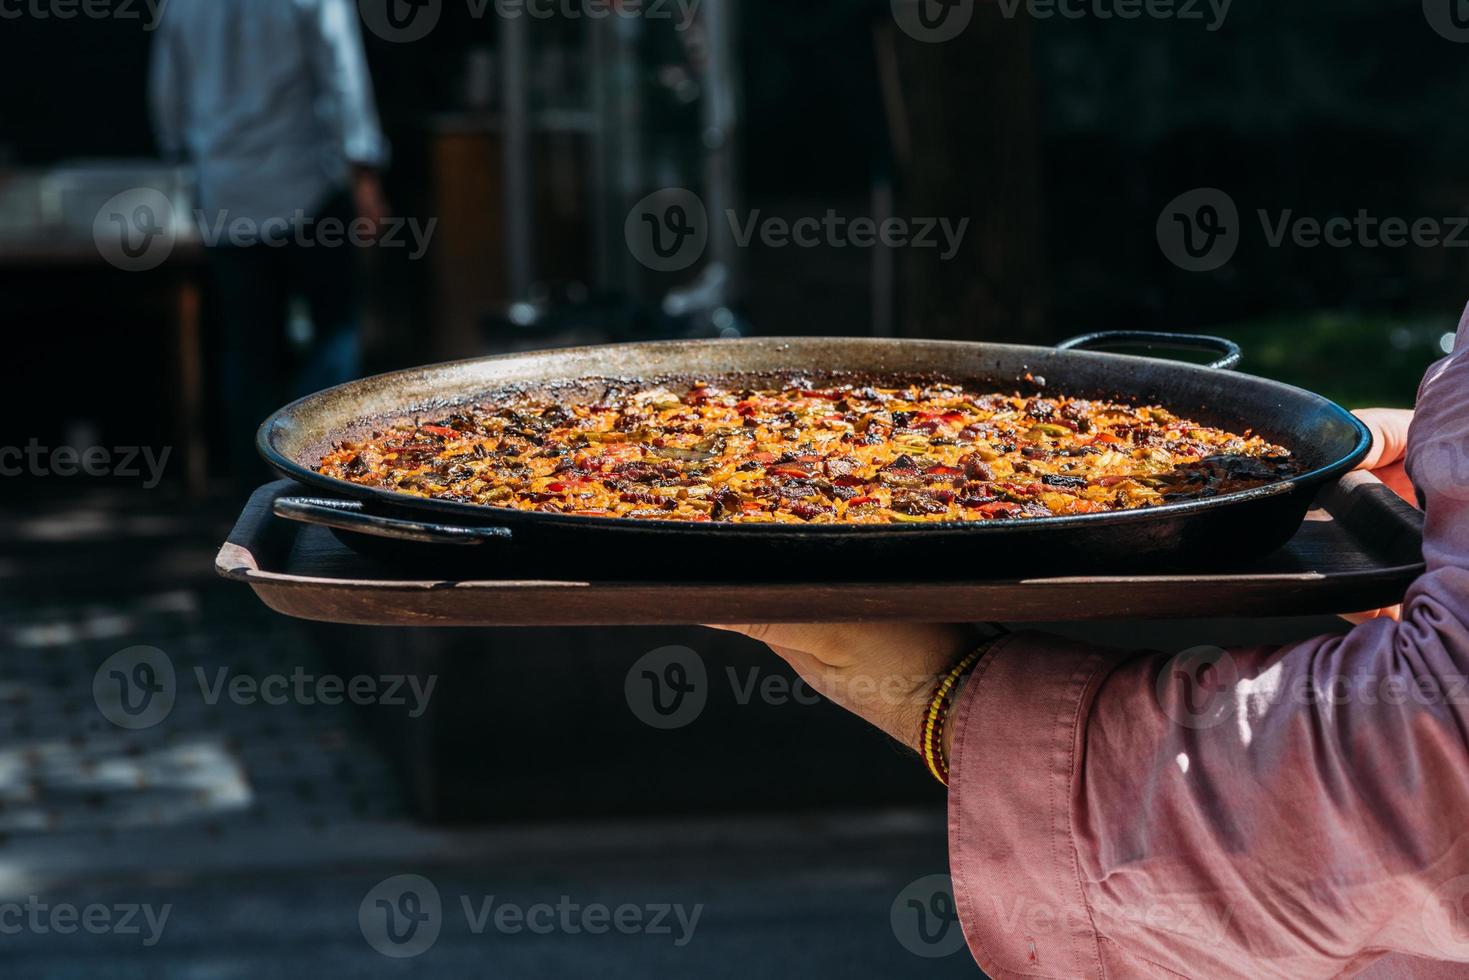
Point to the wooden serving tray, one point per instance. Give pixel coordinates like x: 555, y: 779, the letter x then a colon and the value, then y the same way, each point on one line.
x: 1359, y: 550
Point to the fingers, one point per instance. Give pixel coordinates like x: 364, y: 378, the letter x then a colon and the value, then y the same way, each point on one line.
x: 845, y: 644
x: 828, y: 643
x: 776, y: 634
x: 1389, y: 427
x: 1357, y: 619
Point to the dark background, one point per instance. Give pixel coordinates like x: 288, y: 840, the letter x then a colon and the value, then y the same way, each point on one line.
x: 1322, y: 109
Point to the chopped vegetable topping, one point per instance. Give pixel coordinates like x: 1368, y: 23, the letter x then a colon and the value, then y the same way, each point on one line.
x: 921, y: 453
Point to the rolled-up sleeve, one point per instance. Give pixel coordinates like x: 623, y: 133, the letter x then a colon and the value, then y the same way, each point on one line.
x: 346, y: 83
x: 1296, y: 811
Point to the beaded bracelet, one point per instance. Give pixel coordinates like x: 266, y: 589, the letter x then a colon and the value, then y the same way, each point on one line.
x: 937, y: 716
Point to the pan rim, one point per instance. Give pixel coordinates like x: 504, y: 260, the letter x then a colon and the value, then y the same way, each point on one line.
x: 486, y: 515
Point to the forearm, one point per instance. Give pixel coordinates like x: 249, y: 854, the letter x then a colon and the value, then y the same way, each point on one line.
x: 1309, y: 797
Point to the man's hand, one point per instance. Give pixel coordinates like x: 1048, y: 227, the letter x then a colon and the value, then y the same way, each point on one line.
x: 1385, y: 461
x: 883, y: 672
x: 1389, y: 445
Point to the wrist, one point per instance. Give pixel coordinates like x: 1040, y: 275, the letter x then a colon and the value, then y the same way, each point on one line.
x: 936, y: 739
x: 947, y: 743
x: 937, y: 736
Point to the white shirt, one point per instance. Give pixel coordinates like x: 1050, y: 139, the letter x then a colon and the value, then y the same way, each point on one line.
x: 270, y: 100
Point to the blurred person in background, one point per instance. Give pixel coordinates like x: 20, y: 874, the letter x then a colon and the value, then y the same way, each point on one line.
x: 270, y: 102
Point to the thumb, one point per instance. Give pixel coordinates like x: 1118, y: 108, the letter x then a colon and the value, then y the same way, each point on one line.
x: 1389, y: 428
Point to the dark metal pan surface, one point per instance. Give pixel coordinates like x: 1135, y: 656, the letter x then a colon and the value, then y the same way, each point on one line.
x: 1327, y: 439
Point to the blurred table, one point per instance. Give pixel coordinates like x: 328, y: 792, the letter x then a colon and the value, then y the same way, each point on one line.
x: 46, y: 238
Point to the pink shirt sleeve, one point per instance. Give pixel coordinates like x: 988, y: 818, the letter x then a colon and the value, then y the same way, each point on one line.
x: 1297, y: 811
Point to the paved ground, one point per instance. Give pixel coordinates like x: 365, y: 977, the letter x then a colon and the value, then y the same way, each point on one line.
x: 218, y: 839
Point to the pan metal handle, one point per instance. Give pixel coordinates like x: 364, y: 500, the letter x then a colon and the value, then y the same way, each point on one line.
x: 349, y: 515
x: 1157, y: 338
